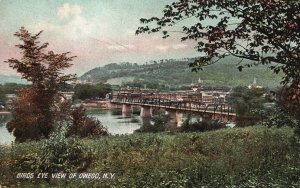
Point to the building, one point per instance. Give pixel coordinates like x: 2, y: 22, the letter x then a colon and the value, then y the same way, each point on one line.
x: 67, y: 95
x: 10, y: 100
x: 88, y: 80
x: 254, y: 85
x: 198, y: 86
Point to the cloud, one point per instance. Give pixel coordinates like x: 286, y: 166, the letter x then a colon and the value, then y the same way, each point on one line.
x: 179, y: 46
x: 171, y: 46
x: 68, y: 10
x: 120, y: 47
x: 76, y: 26
x: 162, y: 47
x: 116, y: 47
x: 7, y: 51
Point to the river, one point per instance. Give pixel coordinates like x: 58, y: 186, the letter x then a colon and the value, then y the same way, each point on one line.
x: 115, y: 124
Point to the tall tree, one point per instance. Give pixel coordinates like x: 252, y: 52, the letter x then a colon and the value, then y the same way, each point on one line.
x: 265, y: 31
x: 34, y: 112
x: 248, y: 103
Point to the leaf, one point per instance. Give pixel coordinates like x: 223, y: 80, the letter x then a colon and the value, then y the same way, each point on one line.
x: 240, y: 68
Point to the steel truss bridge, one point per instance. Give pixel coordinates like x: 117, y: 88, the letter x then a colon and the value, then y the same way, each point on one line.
x: 221, y: 111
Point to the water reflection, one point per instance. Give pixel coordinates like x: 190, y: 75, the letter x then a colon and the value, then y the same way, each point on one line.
x: 115, y: 124
x: 5, y: 136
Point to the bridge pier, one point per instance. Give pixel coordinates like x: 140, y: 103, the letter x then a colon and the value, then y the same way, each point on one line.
x: 126, y: 110
x: 179, y: 118
x: 176, y: 118
x: 146, y: 112
x: 109, y: 105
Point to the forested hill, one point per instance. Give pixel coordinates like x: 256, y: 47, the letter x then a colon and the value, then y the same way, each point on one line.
x: 177, y: 73
x: 12, y: 79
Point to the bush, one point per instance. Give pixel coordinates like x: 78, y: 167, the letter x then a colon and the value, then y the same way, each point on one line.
x: 200, y: 126
x: 84, y: 126
x: 158, y: 123
x: 241, y: 157
x: 62, y: 154
x: 277, y: 117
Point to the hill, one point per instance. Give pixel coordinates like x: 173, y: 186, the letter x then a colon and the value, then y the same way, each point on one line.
x: 177, y: 73
x: 12, y: 79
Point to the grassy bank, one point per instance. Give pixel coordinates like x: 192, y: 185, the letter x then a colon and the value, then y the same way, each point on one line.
x: 243, y: 157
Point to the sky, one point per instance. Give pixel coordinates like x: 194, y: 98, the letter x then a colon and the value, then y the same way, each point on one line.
x: 98, y: 32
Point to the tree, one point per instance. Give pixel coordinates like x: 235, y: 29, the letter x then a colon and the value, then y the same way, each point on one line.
x: 266, y: 31
x: 34, y: 112
x: 248, y: 103
x: 85, y: 91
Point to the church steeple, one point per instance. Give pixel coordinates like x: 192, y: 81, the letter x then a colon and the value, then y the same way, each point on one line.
x: 200, y: 81
x: 254, y: 85
x: 254, y: 81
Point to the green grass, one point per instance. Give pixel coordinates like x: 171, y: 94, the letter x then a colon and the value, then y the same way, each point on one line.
x: 118, y: 81
x: 242, y: 157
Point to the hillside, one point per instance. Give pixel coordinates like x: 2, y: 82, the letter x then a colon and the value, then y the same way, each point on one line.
x: 241, y: 157
x: 12, y: 79
x: 177, y: 73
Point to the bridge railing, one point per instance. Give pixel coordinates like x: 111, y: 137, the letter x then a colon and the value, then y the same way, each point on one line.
x: 179, y: 104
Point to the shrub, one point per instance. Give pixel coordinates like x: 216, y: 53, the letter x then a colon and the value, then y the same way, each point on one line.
x: 62, y: 154
x: 200, y: 126
x: 277, y: 117
x: 241, y: 157
x: 84, y: 126
x: 158, y: 123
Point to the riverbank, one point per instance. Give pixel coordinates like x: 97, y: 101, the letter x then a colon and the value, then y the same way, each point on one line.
x: 238, y: 157
x: 5, y: 112
x: 115, y: 124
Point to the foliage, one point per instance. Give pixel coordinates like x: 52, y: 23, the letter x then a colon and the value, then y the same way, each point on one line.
x: 62, y: 154
x: 276, y: 116
x: 4, y: 119
x: 84, y: 126
x: 289, y: 100
x: 140, y: 84
x: 200, y: 126
x: 266, y: 32
x: 247, y: 102
x: 279, y: 115
x: 171, y: 74
x: 40, y: 105
x: 159, y: 122
x: 263, y: 31
x: 240, y: 157
x: 86, y: 91
x: 10, y: 88
x: 33, y: 115
x: 53, y: 155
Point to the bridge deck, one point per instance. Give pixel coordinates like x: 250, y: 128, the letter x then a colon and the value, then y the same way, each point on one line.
x: 191, y: 109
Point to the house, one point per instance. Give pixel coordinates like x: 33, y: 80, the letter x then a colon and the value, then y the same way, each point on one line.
x: 10, y: 100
